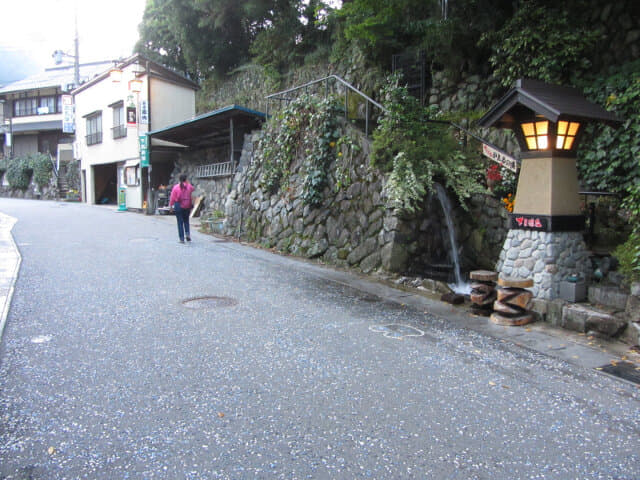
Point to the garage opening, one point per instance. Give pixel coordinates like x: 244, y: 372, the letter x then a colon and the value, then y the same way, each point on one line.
x: 106, y: 184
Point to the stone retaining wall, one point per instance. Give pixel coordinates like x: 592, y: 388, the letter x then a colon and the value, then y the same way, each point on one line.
x: 353, y: 227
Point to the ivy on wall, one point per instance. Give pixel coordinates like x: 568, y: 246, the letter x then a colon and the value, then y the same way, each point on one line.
x: 308, y: 128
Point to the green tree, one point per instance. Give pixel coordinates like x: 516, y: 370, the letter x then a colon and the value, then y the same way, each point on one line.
x: 546, y: 40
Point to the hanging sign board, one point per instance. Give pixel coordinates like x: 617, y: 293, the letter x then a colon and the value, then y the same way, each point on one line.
x: 144, y: 150
x: 144, y: 112
x: 499, y: 157
x: 68, y: 114
x: 131, y: 117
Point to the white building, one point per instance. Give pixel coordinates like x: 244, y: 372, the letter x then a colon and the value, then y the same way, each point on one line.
x: 112, y: 112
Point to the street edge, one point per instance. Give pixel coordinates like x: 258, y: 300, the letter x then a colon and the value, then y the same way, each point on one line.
x: 8, y: 248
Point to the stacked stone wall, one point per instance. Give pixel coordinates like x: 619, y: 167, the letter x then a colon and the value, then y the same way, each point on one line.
x: 353, y: 227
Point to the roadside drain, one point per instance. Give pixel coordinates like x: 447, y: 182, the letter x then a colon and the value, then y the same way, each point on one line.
x: 396, y: 331
x: 625, y: 370
x: 204, y: 303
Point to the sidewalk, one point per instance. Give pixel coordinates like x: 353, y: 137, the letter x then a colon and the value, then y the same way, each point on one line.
x: 9, y: 266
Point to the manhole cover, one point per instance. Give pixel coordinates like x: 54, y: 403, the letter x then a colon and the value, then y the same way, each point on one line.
x: 201, y: 303
x: 396, y: 331
x: 625, y: 370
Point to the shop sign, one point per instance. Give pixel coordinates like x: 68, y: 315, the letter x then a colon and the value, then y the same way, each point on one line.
x: 68, y: 114
x: 144, y: 150
x: 499, y: 157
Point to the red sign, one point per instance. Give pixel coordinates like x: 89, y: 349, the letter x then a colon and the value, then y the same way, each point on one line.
x: 529, y: 222
x: 500, y: 157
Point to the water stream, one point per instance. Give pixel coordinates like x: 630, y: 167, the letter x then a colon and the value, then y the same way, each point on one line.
x: 459, y: 286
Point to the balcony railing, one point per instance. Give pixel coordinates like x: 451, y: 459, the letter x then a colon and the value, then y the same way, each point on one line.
x: 119, y: 132
x: 94, y: 138
x: 215, y: 170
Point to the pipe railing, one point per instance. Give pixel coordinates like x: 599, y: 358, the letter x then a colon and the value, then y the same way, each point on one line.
x: 286, y: 96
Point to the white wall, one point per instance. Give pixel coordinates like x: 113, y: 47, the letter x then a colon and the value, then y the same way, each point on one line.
x: 170, y: 103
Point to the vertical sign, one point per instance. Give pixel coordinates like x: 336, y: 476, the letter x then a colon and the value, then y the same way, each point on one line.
x: 144, y: 112
x: 144, y: 150
x: 68, y: 114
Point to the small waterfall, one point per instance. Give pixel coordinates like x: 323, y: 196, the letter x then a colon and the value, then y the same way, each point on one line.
x: 459, y: 286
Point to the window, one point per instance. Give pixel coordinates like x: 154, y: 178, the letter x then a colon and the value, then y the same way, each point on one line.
x: 46, y: 105
x: 131, y: 175
x: 119, y: 129
x: 25, y: 106
x: 94, y: 128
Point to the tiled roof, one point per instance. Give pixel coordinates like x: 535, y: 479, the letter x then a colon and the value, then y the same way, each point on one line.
x: 57, y: 76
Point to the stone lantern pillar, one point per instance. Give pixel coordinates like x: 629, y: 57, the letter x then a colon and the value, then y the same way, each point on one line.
x: 545, y: 241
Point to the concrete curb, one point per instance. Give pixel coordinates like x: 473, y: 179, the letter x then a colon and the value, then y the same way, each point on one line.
x: 10, y: 260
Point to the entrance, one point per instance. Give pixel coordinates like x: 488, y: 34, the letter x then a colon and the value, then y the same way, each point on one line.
x: 105, y: 181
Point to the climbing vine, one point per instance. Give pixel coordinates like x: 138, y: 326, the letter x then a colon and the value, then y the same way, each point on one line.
x: 417, y: 153
x: 308, y: 128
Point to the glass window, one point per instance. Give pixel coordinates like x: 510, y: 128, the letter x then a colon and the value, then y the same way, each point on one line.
x: 47, y: 105
x: 94, y: 128
x: 119, y: 128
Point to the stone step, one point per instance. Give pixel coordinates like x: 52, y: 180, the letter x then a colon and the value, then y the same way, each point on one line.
x: 587, y: 318
x: 609, y: 296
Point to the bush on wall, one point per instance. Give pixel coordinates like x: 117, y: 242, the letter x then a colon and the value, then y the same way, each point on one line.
x: 19, y: 173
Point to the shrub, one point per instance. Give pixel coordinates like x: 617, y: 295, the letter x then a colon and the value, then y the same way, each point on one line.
x: 19, y: 173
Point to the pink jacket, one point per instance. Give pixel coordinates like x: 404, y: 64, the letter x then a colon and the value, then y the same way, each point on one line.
x: 182, y: 195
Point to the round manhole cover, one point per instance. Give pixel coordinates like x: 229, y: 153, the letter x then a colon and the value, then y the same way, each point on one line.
x: 201, y: 303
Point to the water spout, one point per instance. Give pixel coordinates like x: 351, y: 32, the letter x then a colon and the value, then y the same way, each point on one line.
x: 459, y: 286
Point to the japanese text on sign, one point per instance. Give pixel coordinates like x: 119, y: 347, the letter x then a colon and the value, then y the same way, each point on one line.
x: 503, y: 159
x: 528, y: 222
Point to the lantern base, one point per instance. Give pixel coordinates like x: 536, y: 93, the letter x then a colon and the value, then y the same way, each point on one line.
x: 546, y: 257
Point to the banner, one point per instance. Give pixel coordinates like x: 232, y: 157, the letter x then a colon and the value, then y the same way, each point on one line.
x: 68, y: 114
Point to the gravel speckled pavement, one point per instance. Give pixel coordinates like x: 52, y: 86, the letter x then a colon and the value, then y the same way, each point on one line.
x: 128, y: 355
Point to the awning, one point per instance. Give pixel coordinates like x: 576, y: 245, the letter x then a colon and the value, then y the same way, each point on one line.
x: 132, y: 163
x: 211, y: 129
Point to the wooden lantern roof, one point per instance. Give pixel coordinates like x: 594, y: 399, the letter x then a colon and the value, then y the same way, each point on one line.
x: 554, y: 102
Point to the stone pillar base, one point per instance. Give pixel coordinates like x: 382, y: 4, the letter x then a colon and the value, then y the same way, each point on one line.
x: 546, y: 257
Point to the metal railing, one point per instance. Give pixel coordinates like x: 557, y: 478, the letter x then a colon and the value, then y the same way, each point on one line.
x: 312, y: 87
x: 215, y: 170
x: 119, y: 131
x: 339, y: 84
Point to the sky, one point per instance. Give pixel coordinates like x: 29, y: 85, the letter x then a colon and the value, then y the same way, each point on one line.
x: 33, y: 29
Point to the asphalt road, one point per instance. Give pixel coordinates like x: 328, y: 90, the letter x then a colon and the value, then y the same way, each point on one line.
x: 111, y: 368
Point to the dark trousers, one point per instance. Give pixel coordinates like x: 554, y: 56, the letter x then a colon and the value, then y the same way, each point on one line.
x: 182, y: 216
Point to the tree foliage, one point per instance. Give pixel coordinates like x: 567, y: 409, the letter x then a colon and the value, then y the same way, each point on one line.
x: 418, y: 152
x: 549, y: 41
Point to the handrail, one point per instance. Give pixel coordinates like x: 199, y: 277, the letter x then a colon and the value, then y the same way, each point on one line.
x: 324, y: 79
x: 280, y: 96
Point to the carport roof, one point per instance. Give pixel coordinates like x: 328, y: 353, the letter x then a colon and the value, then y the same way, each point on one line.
x: 210, y: 129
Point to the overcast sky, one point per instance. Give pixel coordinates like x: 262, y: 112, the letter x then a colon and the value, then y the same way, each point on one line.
x: 32, y: 29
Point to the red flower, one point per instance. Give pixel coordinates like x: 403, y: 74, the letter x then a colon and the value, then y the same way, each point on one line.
x: 493, y: 173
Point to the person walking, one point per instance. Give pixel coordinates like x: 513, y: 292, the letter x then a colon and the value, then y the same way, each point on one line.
x: 181, y: 202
